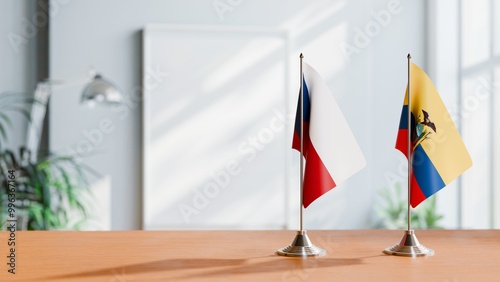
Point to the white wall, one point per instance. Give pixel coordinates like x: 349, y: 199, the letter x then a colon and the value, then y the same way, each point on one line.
x: 368, y: 85
x: 468, y: 91
x: 17, y: 57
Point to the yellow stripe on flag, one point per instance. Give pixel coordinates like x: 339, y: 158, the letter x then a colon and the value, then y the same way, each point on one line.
x: 444, y: 147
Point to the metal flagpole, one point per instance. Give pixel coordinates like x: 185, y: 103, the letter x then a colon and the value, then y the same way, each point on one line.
x: 409, y: 143
x: 409, y: 245
x: 301, y: 245
x: 301, y: 95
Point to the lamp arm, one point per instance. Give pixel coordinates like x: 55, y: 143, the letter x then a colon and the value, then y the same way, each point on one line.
x: 38, y: 110
x: 97, y: 88
x: 76, y: 80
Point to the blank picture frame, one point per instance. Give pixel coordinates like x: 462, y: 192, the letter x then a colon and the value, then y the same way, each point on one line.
x: 216, y: 127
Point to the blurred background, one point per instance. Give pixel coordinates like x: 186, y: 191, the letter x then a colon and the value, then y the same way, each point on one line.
x: 201, y: 138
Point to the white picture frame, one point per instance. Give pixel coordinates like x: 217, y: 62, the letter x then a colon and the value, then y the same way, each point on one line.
x: 216, y: 127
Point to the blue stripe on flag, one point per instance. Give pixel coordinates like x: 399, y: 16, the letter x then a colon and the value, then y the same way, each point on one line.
x: 426, y: 174
x: 307, y: 108
x: 403, y: 122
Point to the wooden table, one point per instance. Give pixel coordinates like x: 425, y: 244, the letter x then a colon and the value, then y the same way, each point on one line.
x: 354, y: 255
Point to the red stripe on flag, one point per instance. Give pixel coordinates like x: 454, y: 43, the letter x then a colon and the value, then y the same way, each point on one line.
x: 416, y: 194
x: 317, y: 179
x: 402, y: 141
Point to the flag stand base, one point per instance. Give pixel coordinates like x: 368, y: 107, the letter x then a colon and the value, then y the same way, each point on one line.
x: 409, y: 247
x: 301, y: 247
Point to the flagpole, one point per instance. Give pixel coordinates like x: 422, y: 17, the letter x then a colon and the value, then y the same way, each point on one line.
x: 409, y: 246
x: 301, y: 95
x: 409, y: 143
x: 301, y: 245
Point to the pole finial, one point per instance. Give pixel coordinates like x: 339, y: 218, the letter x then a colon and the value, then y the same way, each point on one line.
x: 409, y: 56
x: 301, y: 56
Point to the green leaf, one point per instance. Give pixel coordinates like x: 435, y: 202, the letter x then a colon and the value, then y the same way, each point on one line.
x: 392, y: 211
x: 56, y: 186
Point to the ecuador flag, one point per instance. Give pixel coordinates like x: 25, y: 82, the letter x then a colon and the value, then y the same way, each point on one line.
x: 438, y: 153
x: 331, y: 152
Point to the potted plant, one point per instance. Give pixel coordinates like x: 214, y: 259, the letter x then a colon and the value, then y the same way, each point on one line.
x: 51, y: 192
x: 392, y: 213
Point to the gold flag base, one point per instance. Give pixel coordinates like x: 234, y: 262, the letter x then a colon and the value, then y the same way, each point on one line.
x: 301, y: 247
x: 409, y: 247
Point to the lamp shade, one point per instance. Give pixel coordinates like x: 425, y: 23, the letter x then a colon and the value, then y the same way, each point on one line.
x: 101, y: 90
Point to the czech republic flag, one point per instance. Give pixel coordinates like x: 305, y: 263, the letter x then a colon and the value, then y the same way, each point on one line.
x: 330, y: 150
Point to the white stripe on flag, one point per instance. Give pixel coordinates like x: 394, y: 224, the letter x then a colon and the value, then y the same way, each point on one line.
x: 329, y: 132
